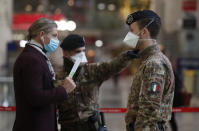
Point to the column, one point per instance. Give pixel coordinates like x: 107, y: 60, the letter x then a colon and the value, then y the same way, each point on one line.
x: 5, y: 32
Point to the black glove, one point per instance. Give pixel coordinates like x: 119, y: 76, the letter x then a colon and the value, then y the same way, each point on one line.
x: 93, y: 118
x: 133, y: 54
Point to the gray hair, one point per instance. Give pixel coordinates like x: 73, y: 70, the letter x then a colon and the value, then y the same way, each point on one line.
x: 42, y: 24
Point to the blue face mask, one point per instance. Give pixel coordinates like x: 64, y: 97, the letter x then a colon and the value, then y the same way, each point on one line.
x: 52, y: 46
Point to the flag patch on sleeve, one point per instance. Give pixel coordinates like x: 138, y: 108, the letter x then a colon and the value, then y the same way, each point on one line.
x: 155, y: 87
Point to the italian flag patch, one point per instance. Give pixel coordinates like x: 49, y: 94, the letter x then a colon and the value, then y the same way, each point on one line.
x: 155, y: 87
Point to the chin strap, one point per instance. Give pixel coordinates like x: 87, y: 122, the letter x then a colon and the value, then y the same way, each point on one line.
x: 148, y: 39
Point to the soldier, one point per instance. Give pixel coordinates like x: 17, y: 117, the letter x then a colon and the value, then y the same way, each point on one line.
x: 80, y: 112
x: 151, y: 96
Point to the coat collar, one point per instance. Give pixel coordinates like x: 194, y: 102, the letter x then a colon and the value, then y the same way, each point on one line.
x: 149, y: 51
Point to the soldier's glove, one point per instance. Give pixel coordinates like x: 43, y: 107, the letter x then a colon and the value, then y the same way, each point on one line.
x: 133, y: 54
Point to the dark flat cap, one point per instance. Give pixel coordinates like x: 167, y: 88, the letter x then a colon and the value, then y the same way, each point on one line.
x: 141, y: 15
x: 72, y: 42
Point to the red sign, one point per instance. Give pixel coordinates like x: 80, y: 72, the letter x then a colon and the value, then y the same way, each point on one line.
x: 10, y: 108
x: 23, y: 21
x: 189, y: 5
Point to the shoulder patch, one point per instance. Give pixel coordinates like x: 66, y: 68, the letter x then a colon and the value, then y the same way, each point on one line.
x: 155, y: 86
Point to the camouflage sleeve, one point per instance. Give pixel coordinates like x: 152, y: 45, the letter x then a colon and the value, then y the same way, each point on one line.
x: 103, y: 71
x: 152, y: 86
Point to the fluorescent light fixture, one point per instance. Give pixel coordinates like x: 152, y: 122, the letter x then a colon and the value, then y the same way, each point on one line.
x: 71, y: 25
x: 99, y: 43
x: 64, y: 25
x: 101, y: 6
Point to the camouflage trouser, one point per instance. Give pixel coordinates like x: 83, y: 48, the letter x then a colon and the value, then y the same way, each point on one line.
x: 83, y: 126
x: 160, y: 126
x: 92, y: 124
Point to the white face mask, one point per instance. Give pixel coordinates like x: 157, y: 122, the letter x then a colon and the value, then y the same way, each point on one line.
x: 80, y: 55
x: 131, y: 39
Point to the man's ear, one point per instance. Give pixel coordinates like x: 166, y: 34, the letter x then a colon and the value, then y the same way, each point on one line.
x: 41, y: 33
x: 145, y: 32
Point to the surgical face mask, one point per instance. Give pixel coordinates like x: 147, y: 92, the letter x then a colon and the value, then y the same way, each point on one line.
x: 80, y: 56
x: 52, y: 45
x: 131, y: 39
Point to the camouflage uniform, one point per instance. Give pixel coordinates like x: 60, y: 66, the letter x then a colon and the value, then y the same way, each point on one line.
x: 83, y: 101
x: 150, y: 101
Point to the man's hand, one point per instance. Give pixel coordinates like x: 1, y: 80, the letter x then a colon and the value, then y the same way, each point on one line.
x: 68, y: 84
x: 133, y: 54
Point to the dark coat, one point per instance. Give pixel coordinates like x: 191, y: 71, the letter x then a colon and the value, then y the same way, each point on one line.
x: 35, y: 93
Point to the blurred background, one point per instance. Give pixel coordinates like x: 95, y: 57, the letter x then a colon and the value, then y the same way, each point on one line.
x: 102, y: 23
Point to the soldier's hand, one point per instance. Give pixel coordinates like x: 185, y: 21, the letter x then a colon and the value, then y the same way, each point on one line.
x: 68, y: 84
x: 133, y: 54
